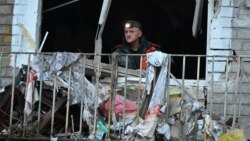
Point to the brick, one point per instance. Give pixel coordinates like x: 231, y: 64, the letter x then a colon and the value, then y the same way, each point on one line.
x: 6, y: 9
x: 221, y: 22
x: 7, y: 1
x: 10, y: 1
x: 3, y: 1
x: 216, y: 77
x: 6, y: 19
x: 241, y: 33
x: 241, y: 22
x: 219, y: 109
x: 230, y: 97
x: 221, y: 33
x: 226, y: 2
x: 5, y: 29
x: 217, y: 43
x: 243, y: 53
x: 5, y: 48
x: 247, y: 3
x: 226, y: 12
x: 5, y: 60
x: 241, y: 44
x: 5, y: 39
x: 238, y: 3
x: 219, y: 52
x: 218, y: 66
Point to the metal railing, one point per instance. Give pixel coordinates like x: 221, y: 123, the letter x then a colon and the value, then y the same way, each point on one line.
x: 54, y: 95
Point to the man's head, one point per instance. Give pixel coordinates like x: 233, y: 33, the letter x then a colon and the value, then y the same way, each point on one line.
x: 132, y: 31
x: 131, y: 24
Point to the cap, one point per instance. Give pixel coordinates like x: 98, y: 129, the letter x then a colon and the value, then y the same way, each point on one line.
x: 131, y: 24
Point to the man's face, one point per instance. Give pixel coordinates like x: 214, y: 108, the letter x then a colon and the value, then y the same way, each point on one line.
x: 133, y: 34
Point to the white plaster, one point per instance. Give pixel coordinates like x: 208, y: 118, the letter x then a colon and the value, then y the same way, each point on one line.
x: 16, y: 19
x: 210, y: 15
x: 226, y: 3
x: 25, y: 27
x: 217, y: 66
x: 221, y: 33
x: 15, y: 29
x: 225, y: 12
x: 215, y: 76
x: 219, y: 52
x: 217, y: 43
x: 15, y: 41
x: 221, y: 22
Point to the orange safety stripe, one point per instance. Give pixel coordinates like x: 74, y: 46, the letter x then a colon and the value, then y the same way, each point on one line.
x: 144, y: 59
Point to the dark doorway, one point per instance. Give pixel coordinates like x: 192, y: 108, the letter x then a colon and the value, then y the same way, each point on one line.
x: 168, y: 23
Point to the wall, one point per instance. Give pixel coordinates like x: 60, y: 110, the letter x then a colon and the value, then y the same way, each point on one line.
x: 19, y: 32
x: 6, y: 14
x: 25, y: 28
x: 230, y: 30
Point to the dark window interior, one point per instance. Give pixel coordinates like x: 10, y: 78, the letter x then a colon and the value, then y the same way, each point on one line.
x: 168, y: 23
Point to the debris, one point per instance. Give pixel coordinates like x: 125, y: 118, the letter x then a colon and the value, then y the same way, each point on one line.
x: 233, y: 135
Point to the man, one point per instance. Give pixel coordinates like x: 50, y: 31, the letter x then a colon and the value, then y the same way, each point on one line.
x: 134, y: 43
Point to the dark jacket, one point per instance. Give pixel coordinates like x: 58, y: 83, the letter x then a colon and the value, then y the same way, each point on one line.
x: 134, y: 61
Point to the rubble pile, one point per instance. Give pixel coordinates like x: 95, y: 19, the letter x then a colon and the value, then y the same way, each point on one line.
x: 58, y: 101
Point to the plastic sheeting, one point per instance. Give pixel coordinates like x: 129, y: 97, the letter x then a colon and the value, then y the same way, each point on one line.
x: 58, y: 65
x: 157, y: 59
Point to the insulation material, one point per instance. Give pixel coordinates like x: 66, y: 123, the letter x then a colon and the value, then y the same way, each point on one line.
x: 164, y: 129
x: 212, y: 128
x: 175, y: 131
x: 146, y: 128
x: 127, y: 122
x: 59, y: 65
x: 31, y: 95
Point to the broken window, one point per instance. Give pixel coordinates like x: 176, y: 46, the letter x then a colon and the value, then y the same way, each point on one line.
x: 72, y: 27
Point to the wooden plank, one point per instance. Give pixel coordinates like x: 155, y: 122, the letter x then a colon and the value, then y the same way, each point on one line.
x: 106, y: 69
x: 47, y: 116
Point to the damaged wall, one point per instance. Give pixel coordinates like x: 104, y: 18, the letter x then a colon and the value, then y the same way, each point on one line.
x: 19, y: 32
x: 228, y: 29
x: 25, y: 28
x: 229, y: 33
x: 6, y: 14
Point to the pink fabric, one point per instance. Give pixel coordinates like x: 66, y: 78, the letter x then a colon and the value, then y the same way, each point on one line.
x: 119, y: 103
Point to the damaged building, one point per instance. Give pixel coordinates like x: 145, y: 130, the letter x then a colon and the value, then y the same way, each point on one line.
x: 60, y: 80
